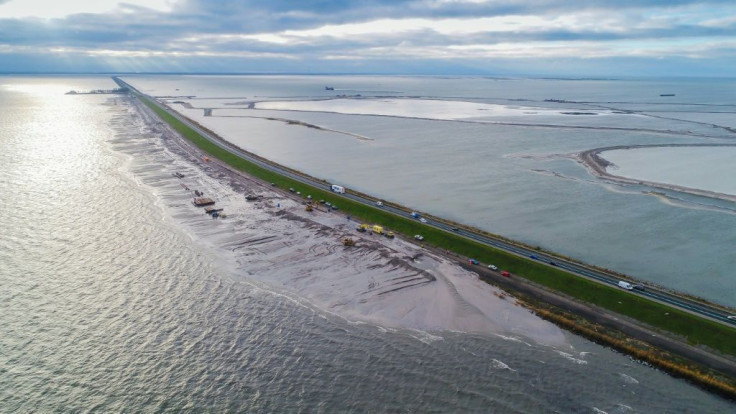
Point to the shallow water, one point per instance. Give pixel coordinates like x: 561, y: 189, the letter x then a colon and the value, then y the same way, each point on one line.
x: 705, y: 168
x: 114, y: 302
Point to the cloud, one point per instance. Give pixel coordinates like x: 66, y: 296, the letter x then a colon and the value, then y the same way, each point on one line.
x: 355, y: 33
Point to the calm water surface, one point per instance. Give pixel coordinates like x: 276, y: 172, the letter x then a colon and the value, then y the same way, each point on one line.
x: 110, y: 305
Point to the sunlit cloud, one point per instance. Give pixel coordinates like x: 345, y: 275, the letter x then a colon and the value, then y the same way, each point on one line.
x: 58, y: 9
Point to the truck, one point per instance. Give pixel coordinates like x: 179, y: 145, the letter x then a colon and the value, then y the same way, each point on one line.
x: 377, y: 229
x: 337, y: 188
x: 625, y: 285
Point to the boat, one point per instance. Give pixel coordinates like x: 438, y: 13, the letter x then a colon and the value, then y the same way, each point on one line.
x: 329, y: 88
x: 666, y: 94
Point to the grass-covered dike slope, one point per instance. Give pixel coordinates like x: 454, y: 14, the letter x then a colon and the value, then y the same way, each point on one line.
x: 696, y: 330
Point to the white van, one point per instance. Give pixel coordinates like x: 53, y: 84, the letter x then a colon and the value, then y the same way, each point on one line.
x: 337, y: 188
x: 625, y: 285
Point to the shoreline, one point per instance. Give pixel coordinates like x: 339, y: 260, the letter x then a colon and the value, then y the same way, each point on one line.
x: 597, y: 165
x: 389, y: 279
x: 614, y: 316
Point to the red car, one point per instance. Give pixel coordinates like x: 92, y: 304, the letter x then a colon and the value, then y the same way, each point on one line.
x: 505, y: 273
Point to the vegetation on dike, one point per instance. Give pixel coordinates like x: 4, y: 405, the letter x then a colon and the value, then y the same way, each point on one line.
x: 675, y: 366
x: 696, y: 330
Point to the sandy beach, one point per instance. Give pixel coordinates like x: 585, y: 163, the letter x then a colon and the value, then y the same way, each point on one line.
x: 393, y: 283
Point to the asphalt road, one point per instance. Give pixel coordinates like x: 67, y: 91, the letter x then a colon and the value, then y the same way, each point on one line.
x: 671, y: 299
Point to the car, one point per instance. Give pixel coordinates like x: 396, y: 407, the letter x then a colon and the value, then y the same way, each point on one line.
x: 505, y: 273
x: 473, y: 262
x: 492, y: 267
x: 419, y: 237
x: 638, y: 287
x: 533, y: 256
x: 731, y: 317
x: 551, y: 263
x: 455, y: 229
x: 334, y: 207
x: 379, y: 203
x: 291, y: 190
x: 423, y: 220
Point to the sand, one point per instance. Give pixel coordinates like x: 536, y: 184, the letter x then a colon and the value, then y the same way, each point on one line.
x: 276, y: 243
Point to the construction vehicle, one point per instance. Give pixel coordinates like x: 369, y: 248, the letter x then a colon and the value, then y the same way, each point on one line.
x: 348, y: 242
x: 377, y: 229
x: 309, y: 207
x: 390, y: 235
x: 362, y: 228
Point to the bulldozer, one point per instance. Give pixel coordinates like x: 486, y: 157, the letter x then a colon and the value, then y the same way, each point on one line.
x: 348, y: 242
x: 309, y: 207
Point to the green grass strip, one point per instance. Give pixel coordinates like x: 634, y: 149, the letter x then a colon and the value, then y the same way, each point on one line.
x: 697, y: 330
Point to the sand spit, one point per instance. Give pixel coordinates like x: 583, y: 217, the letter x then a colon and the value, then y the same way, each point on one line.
x: 213, y: 113
x: 275, y: 243
x: 598, y: 165
x: 443, y: 116
x: 298, y: 123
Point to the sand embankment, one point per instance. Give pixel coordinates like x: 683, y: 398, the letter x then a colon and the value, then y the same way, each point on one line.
x: 276, y: 243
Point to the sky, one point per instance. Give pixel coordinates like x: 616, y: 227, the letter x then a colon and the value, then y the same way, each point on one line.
x: 571, y: 38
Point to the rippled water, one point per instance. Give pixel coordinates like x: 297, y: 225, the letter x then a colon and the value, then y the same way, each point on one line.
x: 111, y: 303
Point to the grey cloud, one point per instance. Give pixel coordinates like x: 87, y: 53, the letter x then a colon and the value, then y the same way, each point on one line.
x: 142, y: 29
